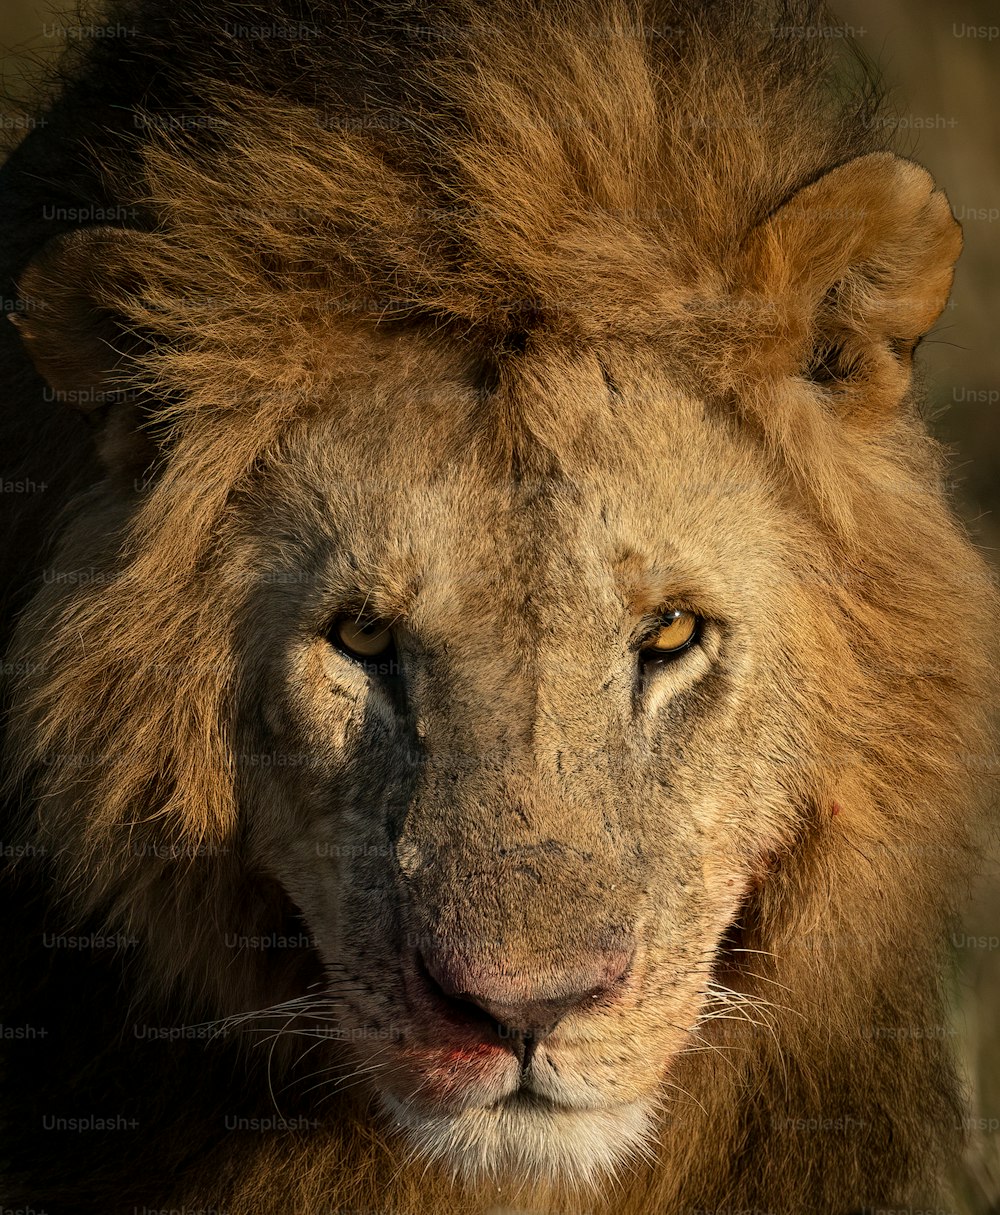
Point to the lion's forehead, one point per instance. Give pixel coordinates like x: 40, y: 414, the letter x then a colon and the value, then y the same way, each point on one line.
x: 604, y: 498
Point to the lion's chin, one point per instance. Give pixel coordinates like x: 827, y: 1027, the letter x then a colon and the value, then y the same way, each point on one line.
x: 525, y: 1139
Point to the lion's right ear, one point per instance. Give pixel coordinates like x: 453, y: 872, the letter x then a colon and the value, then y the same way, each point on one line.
x: 70, y: 319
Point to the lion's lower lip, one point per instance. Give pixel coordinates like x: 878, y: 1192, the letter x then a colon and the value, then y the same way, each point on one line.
x: 521, y: 1098
x: 529, y: 1097
x: 518, y: 1103
x: 453, y: 1080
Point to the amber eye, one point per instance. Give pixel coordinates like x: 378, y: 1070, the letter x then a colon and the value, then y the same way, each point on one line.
x: 361, y: 638
x: 678, y: 631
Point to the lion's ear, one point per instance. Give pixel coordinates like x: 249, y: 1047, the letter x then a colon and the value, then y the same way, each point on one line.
x: 70, y: 320
x: 858, y: 266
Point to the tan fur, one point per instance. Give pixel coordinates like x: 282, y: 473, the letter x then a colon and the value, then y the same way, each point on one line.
x: 562, y: 371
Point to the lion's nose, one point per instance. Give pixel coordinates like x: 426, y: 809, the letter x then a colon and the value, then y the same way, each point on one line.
x: 520, y: 1009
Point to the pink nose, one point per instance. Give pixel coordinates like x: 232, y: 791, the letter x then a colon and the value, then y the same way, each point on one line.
x: 516, y: 1007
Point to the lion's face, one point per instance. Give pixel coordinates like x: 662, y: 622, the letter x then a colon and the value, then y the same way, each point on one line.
x: 516, y: 833
x: 516, y: 538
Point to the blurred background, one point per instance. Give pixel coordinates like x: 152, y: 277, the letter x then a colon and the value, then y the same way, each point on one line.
x: 942, y: 65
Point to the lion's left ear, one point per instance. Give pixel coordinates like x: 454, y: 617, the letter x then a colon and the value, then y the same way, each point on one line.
x: 857, y: 266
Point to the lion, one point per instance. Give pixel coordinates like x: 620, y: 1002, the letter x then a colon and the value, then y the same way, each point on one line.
x: 497, y: 691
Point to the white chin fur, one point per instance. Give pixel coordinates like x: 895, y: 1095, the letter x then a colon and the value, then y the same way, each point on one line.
x: 528, y: 1142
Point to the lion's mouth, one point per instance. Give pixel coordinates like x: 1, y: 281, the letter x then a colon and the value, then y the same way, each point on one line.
x: 527, y: 1098
x: 574, y: 1102
x: 488, y: 1097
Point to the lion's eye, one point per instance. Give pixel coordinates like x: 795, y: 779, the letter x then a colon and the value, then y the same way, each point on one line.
x: 361, y: 638
x: 678, y: 631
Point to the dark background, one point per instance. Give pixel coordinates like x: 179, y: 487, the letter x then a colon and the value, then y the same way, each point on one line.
x: 942, y: 64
